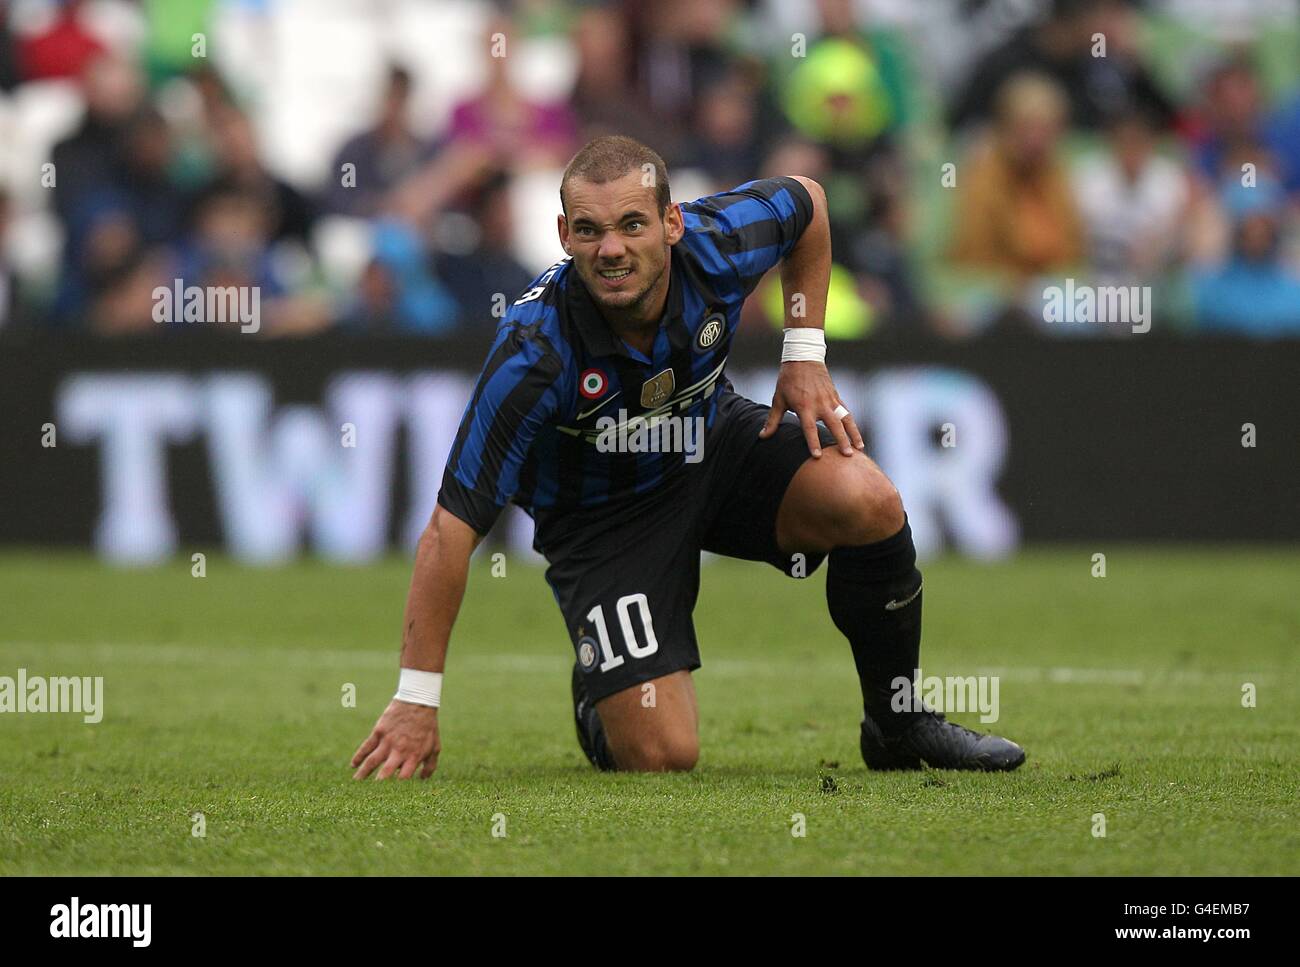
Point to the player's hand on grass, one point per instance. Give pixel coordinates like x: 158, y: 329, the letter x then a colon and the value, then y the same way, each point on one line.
x: 805, y: 388
x: 403, y: 740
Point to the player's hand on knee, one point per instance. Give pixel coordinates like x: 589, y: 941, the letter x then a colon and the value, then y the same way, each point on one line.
x: 404, y: 740
x: 779, y: 406
x: 805, y: 387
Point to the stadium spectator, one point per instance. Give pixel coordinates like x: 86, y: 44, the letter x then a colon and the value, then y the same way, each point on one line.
x: 1230, y: 116
x: 849, y: 94
x: 481, y: 273
x: 1253, y: 292
x: 604, y: 99
x: 238, y: 166
x: 678, y: 48
x: 84, y: 161
x: 1233, y: 120
x: 1132, y: 200
x: 96, y: 186
x: 231, y: 244
x: 513, y: 129
x: 724, y: 130
x: 399, y: 291
x: 382, y: 155
x: 848, y: 90
x: 122, y: 292
x: 1016, y: 214
x: 144, y: 179
x: 1062, y: 47
x: 132, y: 221
x: 371, y: 307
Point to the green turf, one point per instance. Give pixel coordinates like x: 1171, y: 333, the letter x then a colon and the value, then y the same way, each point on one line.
x: 223, y: 696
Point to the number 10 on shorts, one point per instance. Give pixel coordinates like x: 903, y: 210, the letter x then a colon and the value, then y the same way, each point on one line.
x: 586, y: 655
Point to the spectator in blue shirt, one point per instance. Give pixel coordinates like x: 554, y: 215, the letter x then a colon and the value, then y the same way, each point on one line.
x: 1253, y: 292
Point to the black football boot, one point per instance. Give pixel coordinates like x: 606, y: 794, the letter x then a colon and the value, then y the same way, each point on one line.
x: 940, y: 744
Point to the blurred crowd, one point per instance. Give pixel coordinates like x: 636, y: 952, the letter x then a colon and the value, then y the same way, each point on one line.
x: 974, y: 153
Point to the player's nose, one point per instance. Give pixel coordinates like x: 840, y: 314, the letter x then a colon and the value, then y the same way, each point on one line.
x: 611, y: 247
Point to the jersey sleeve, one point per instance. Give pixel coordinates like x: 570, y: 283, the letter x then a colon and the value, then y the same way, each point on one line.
x: 738, y: 235
x: 518, y: 391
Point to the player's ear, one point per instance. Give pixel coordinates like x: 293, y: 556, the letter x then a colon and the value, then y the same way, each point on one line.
x: 674, y: 227
x: 562, y: 226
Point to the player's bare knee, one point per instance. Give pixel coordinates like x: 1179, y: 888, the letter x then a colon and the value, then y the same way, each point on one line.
x: 889, y: 511
x: 657, y: 753
x: 874, y: 511
x: 676, y: 755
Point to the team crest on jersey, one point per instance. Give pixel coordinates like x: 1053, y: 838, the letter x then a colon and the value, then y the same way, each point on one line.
x: 592, y: 384
x: 587, y: 652
x: 714, y: 326
x: 657, y: 389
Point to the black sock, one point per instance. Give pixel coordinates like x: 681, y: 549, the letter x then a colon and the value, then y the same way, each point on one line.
x: 595, y: 733
x: 874, y: 595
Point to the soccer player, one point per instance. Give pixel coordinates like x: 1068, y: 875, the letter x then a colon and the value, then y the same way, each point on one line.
x: 629, y: 335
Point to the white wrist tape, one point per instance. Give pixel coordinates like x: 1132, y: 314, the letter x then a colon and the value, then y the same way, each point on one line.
x: 420, y: 688
x: 803, y: 345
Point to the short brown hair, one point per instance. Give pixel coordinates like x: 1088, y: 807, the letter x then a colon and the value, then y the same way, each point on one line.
x: 612, y: 156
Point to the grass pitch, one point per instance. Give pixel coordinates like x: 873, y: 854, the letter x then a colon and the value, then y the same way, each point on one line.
x: 223, y: 696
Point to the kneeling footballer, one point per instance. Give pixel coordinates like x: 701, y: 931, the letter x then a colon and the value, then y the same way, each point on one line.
x: 628, y: 333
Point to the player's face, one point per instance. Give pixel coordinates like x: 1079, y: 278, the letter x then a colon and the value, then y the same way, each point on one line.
x: 618, y: 240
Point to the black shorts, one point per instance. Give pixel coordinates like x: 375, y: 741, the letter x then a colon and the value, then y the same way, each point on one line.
x: 626, y: 583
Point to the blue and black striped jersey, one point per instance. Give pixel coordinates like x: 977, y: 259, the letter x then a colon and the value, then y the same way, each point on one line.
x: 530, y: 431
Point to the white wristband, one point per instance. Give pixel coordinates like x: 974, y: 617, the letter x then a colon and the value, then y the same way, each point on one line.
x: 804, y: 345
x: 419, y: 688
